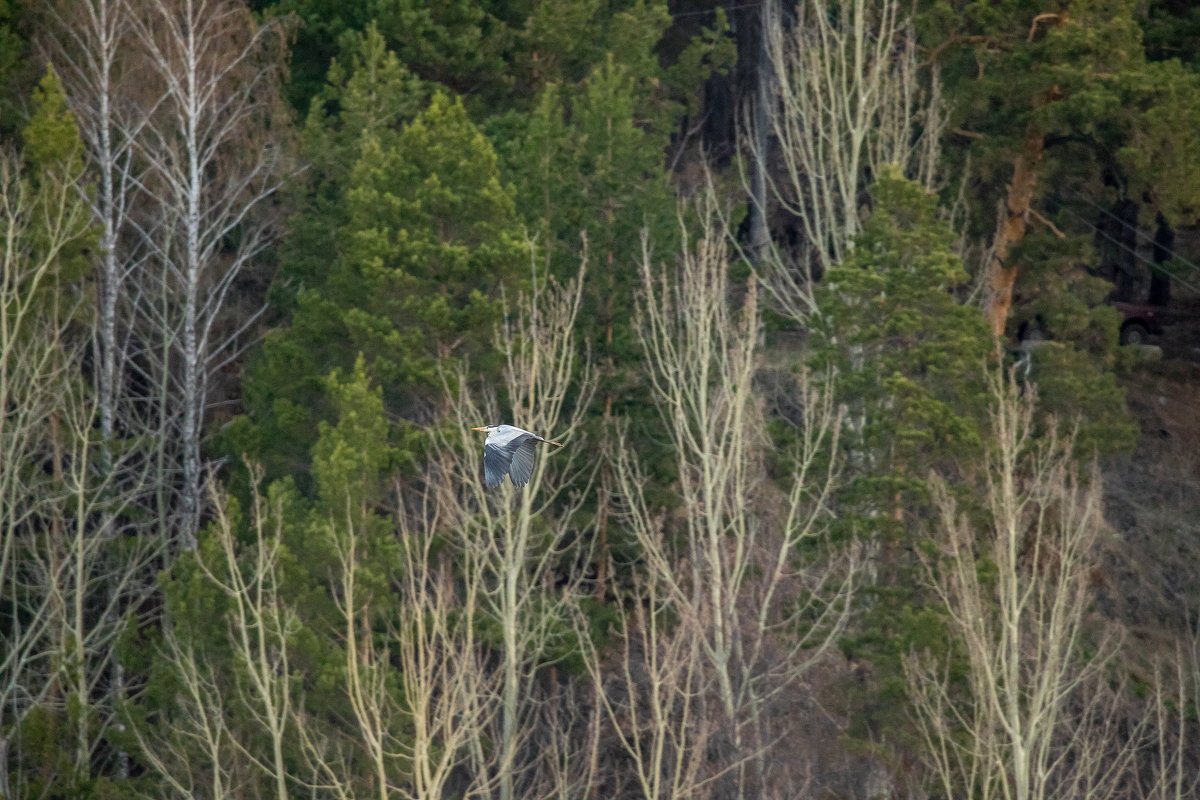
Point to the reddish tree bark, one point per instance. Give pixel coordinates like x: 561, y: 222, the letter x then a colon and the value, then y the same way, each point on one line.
x: 1002, y: 271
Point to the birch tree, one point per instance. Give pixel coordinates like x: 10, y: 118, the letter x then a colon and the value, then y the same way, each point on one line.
x: 92, y: 47
x: 64, y: 584
x: 214, y: 156
x: 89, y: 43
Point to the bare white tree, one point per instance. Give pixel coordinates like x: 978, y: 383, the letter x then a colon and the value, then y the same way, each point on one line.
x: 1175, y: 770
x: 1035, y: 716
x: 213, y: 154
x: 421, y: 696
x: 90, y: 45
x: 443, y: 669
x: 518, y: 537
x: 842, y: 99
x: 726, y: 564
x: 61, y: 586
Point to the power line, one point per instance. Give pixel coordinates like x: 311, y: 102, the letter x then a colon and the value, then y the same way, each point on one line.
x: 1131, y: 251
x: 714, y: 9
x: 1144, y: 235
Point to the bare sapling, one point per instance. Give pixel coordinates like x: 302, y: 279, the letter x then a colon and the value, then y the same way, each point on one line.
x: 524, y: 540
x: 1034, y: 717
x: 728, y: 565
x: 197, y: 749
x: 60, y: 583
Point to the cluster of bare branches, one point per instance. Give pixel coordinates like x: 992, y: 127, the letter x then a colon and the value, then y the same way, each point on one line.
x: 65, y: 576
x: 726, y: 612
x: 105, y: 377
x: 179, y: 109
x: 528, y: 545
x: 486, y: 677
x: 1042, y: 710
x: 197, y: 746
x: 839, y: 97
x: 435, y: 705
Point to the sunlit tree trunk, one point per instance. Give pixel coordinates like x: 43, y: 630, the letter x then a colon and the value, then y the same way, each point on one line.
x: 89, y: 43
x: 1002, y: 271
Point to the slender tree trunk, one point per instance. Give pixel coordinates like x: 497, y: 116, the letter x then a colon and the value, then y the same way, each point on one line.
x: 193, y: 395
x: 213, y: 158
x: 1160, y: 279
x: 759, y: 233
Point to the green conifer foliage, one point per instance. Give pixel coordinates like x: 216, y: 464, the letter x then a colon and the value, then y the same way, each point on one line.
x: 906, y: 357
x: 352, y: 463
x: 321, y: 27
x: 10, y: 43
x: 281, y: 577
x: 588, y: 161
x: 368, y: 92
x: 1061, y: 115
x: 906, y: 354
x: 461, y: 44
x: 433, y: 233
x: 17, y: 73
x: 428, y: 246
x: 54, y: 155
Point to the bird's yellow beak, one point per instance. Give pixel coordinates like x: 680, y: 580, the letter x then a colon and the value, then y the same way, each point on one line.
x: 479, y: 429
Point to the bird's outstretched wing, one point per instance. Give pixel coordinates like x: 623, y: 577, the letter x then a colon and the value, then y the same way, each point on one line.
x: 514, y: 457
x: 522, y: 461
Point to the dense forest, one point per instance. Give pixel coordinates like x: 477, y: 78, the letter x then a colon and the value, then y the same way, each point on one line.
x: 870, y: 330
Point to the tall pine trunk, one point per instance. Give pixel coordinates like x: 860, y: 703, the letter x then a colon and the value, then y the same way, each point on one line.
x: 1002, y: 272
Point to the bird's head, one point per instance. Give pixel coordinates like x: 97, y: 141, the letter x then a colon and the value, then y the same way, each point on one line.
x: 486, y: 428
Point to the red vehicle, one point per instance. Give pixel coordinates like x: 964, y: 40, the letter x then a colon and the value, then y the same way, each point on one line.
x: 1140, y: 320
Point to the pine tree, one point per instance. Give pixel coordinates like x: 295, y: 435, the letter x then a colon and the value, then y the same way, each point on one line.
x: 1062, y: 118
x: 905, y: 351
x: 588, y: 162
x: 907, y: 358
x: 367, y: 92
x: 428, y: 248
x: 18, y: 74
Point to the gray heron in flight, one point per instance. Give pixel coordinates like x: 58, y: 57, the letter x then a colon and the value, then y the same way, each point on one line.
x: 509, y: 451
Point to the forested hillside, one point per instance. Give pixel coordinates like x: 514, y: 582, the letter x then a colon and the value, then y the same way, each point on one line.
x: 870, y: 330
